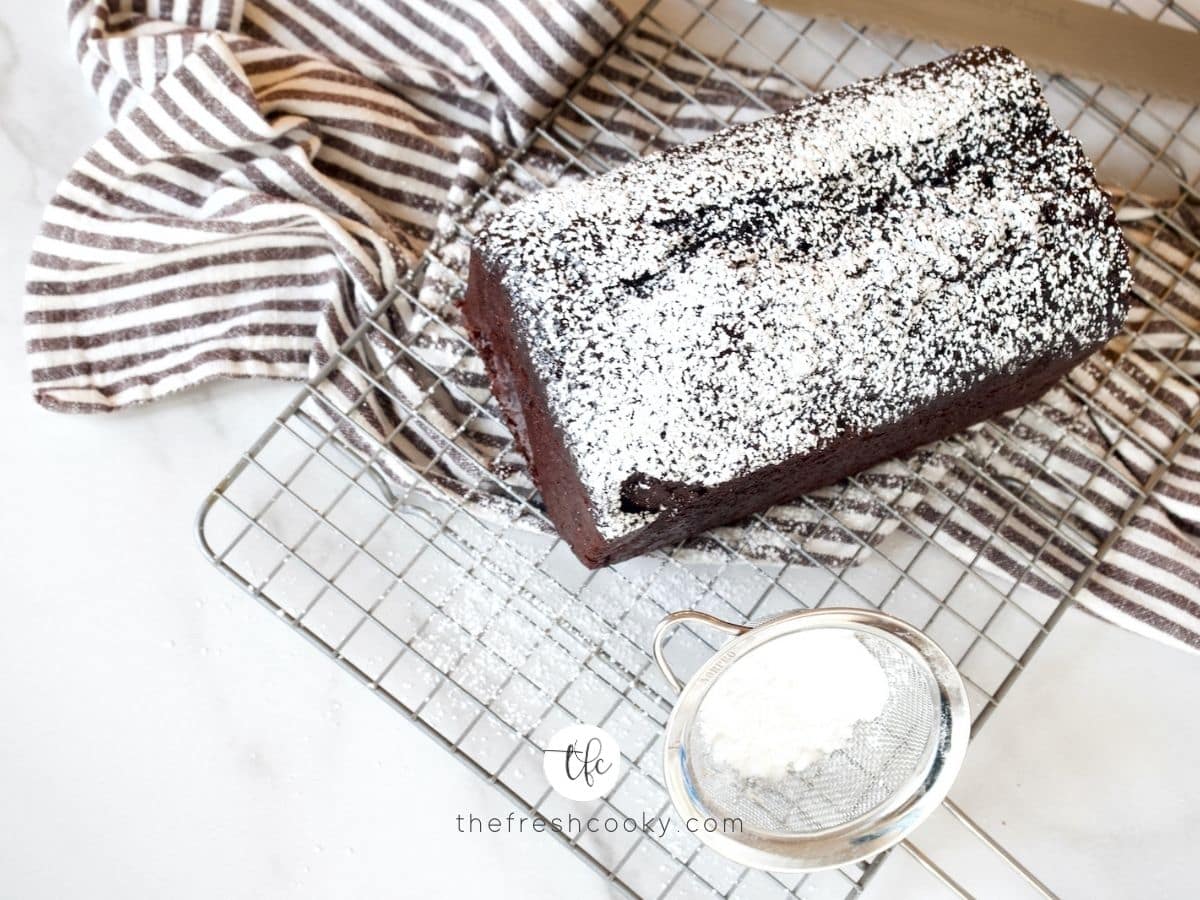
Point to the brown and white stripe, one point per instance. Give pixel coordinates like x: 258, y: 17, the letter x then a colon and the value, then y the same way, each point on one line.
x: 276, y: 167
x: 270, y: 160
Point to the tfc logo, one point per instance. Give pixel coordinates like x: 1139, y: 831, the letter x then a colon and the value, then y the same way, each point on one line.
x: 582, y: 762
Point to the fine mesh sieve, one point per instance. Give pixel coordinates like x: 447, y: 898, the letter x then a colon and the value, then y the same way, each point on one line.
x: 879, y: 760
x: 886, y: 774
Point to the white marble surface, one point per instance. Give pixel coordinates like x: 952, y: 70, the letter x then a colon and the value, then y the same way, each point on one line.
x: 161, y: 735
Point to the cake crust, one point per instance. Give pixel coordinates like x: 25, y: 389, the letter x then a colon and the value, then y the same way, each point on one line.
x: 703, y: 334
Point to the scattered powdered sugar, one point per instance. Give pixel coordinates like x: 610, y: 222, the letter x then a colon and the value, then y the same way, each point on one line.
x: 790, y: 703
x: 728, y: 305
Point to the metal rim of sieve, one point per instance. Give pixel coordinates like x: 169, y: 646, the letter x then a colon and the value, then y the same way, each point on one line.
x: 869, y: 834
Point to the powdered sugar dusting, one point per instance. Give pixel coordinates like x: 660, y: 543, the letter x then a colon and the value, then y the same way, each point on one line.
x: 728, y: 305
x: 791, y: 702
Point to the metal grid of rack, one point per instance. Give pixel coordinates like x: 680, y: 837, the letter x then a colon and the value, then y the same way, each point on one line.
x: 367, y: 518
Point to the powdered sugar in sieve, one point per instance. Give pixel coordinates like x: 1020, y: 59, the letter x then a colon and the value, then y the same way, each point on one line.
x: 818, y: 738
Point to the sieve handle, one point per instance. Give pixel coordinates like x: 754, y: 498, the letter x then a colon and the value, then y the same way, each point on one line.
x: 686, y: 615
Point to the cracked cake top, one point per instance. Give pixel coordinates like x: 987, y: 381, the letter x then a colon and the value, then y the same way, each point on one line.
x: 826, y: 271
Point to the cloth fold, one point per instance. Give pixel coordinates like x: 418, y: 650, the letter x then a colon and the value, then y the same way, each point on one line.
x: 272, y: 166
x: 276, y: 168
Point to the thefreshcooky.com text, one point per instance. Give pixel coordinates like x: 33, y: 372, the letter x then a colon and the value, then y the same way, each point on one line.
x: 468, y: 823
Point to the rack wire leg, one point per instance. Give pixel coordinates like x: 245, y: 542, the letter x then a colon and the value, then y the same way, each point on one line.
x: 972, y: 826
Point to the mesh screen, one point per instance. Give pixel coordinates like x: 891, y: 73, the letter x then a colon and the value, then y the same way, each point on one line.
x: 877, y: 763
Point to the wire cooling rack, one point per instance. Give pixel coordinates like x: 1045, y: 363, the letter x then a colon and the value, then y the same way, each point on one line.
x: 434, y: 580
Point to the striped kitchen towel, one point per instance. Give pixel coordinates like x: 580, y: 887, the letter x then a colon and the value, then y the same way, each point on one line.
x: 273, y: 165
x: 277, y: 167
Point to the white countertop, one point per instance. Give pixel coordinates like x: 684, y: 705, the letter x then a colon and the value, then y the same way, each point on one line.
x: 162, y: 736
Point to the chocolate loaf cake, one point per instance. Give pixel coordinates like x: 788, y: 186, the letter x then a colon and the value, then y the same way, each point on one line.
x: 690, y: 339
